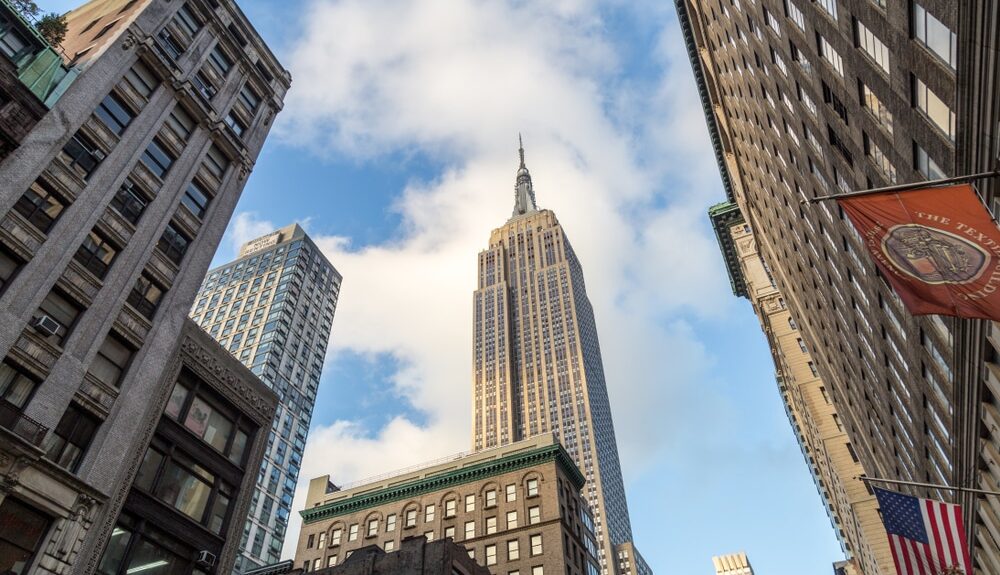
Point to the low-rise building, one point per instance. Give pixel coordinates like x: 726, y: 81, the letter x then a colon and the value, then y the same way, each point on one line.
x: 517, y: 509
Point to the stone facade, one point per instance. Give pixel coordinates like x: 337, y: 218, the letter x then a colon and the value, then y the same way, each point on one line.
x: 415, y: 556
x: 273, y: 309
x: 113, y: 205
x: 808, y: 99
x: 516, y: 509
x: 732, y: 564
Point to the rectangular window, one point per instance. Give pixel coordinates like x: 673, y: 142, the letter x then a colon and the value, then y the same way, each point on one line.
x: 925, y: 100
x: 173, y: 244
x: 879, y: 158
x: 145, y: 295
x: 829, y: 54
x: 372, y: 527
x: 180, y: 122
x: 871, y: 45
x: 470, y: 503
x: 235, y: 124
x: 491, y: 498
x: 114, y: 113
x: 512, y: 520
x: 536, y: 545
x: 470, y: 529
x: 491, y: 555
x: 142, y: 79
x: 390, y: 545
x: 795, y: 15
x: 925, y: 164
x: 170, y: 44
x: 111, y: 360
x: 130, y: 202
x: 513, y: 552
x: 16, y: 386
x: 352, y: 532
x: 491, y: 525
x: 96, y: 254
x: 935, y: 36
x: 216, y: 162
x: 63, y: 310
x: 335, y: 537
x: 82, y: 155
x: 449, y: 532
x: 449, y: 508
x: 24, y: 529
x: 196, y: 199
x: 331, y: 561
x: 187, y: 21
x: 220, y: 61
x: 68, y: 443
x: 204, y: 85
x: 9, y: 264
x: 41, y: 206
x: 532, y: 487
x: 534, y: 515
x: 875, y: 106
x: 157, y: 158
x: 411, y: 517
x: 429, y: 535
x: 429, y: 513
x: 830, y: 6
x: 390, y: 522
x: 511, y: 492
x: 249, y: 99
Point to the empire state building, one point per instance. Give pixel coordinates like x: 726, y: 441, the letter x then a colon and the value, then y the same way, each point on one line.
x: 537, y: 362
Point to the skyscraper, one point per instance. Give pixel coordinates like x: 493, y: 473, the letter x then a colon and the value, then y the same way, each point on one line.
x: 732, y: 564
x: 112, y: 204
x: 807, y: 99
x: 536, y: 359
x: 273, y: 309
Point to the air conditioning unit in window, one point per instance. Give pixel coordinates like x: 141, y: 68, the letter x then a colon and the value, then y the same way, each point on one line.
x: 205, y: 559
x: 45, y: 324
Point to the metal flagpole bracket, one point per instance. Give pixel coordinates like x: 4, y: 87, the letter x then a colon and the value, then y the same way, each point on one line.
x: 867, y: 479
x: 905, y: 187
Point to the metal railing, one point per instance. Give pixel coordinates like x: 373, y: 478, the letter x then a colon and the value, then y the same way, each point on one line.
x: 28, y: 429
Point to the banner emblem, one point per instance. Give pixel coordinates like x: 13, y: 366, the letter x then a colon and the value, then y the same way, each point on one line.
x: 933, y: 256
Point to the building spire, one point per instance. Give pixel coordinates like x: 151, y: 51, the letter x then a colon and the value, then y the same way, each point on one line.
x: 524, y: 193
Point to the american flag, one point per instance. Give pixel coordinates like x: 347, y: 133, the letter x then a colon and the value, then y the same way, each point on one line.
x: 926, y: 536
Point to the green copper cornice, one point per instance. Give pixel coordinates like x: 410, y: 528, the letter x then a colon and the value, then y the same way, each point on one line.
x: 725, y: 215
x: 444, y: 480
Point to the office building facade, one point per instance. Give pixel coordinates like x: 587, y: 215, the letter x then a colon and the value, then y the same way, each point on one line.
x: 807, y: 99
x: 112, y: 204
x: 517, y: 509
x: 537, y: 365
x: 732, y: 564
x: 819, y: 429
x: 273, y: 309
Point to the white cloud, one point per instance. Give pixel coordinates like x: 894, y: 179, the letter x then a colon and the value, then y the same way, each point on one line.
x: 618, y: 161
x: 245, y: 227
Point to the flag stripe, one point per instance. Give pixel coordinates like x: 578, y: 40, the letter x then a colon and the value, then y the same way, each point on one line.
x: 925, y: 536
x: 898, y: 557
x: 951, y: 528
x: 937, y: 523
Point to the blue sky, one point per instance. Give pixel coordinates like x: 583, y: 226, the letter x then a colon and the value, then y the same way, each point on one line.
x: 397, y: 151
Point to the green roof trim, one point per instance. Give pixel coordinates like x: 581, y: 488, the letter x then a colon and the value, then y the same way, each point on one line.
x: 41, y: 69
x: 446, y: 479
x: 725, y: 215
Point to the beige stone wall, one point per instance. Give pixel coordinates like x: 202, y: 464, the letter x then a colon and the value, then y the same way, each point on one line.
x: 820, y: 431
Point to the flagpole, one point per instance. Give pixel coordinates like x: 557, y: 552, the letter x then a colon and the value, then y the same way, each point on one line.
x: 867, y: 479
x: 905, y: 187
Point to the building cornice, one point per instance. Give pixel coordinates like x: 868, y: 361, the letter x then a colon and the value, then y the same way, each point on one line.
x: 725, y: 215
x: 554, y: 452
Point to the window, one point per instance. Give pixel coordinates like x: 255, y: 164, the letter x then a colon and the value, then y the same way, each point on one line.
x: 68, y: 443
x: 532, y: 487
x: 41, y: 206
x: 96, y: 254
x: 237, y: 125
x: 830, y: 6
x: 114, y: 113
x: 934, y: 108
x: 372, y: 527
x: 82, y: 155
x: 491, y: 525
x: 390, y: 522
x: 23, y: 532
x: 491, y: 498
x: 129, y: 202
x: 16, y: 386
x: 207, y: 419
x: 429, y: 535
x: 812, y: 368
x: 513, y: 552
x: 449, y: 508
x: 429, y: 513
x: 470, y: 529
x: 537, y: 570
x: 934, y: 35
x: 317, y: 563
x: 869, y: 42
x: 216, y: 162
x: 449, y: 531
x: 141, y: 79
x: 177, y: 479
x: 204, y: 85
x: 795, y: 15
x: 491, y: 554
x: 249, y: 99
x: 12, y: 43
x: 470, y: 503
x: 335, y: 537
x: 170, y: 44
x: 871, y: 103
x: 9, y: 264
x: 145, y: 295
x: 534, y: 515
x: 352, y: 532
x: 830, y: 55
x: 925, y: 164
x: 157, y: 158
x: 879, y: 158
x: 61, y: 309
x: 511, y: 492
x: 180, y: 122
x: 321, y: 540
x: 195, y: 199
x: 536, y: 545
x: 390, y: 545
x: 111, y: 361
x: 411, y: 517
x: 331, y: 561
x: 173, y: 244
x: 220, y: 61
x: 512, y: 520
x: 187, y: 21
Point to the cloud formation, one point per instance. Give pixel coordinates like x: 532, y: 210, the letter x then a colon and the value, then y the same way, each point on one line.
x: 623, y: 160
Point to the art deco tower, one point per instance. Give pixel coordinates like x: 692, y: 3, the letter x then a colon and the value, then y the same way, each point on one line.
x: 537, y: 362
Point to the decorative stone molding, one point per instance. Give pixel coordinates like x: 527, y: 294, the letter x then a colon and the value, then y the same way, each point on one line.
x: 246, y: 166
x: 131, y: 40
x: 207, y: 363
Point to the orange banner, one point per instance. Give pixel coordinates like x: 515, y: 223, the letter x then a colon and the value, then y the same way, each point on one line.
x: 938, y: 247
